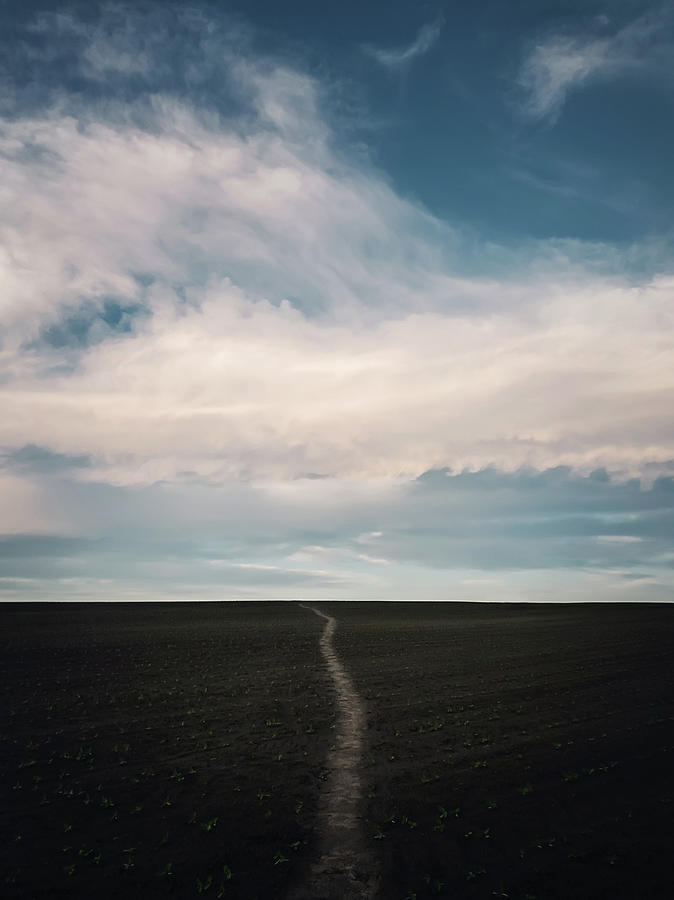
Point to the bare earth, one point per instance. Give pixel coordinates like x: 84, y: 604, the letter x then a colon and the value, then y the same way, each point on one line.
x: 257, y: 751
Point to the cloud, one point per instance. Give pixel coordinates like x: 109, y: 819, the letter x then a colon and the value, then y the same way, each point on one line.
x: 558, y: 66
x: 395, y: 59
x: 198, y: 293
x: 38, y: 460
x: 563, y: 63
x: 227, y: 386
x: 482, y: 535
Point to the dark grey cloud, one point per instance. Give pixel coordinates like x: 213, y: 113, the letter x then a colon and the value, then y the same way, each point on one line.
x: 529, y: 519
x: 91, y: 324
x: 34, y: 459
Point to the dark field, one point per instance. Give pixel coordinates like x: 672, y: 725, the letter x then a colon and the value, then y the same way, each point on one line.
x: 148, y: 749
x: 521, y: 752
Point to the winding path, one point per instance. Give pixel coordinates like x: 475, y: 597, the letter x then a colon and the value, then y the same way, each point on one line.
x: 344, y: 869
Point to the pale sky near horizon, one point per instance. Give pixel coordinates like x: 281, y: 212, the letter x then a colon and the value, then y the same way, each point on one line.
x: 357, y: 301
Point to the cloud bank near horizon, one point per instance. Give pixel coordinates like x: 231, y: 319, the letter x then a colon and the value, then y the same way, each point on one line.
x: 489, y: 535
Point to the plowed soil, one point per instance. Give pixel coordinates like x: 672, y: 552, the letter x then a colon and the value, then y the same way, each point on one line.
x: 154, y: 749
x: 191, y: 749
x: 521, y: 752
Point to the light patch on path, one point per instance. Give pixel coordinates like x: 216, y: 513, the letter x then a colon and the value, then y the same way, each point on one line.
x: 344, y: 869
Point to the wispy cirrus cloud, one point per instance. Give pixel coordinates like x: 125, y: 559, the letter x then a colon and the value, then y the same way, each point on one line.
x: 563, y: 63
x: 396, y: 58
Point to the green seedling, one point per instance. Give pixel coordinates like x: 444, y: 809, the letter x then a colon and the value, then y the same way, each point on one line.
x: 428, y: 777
x: 474, y: 875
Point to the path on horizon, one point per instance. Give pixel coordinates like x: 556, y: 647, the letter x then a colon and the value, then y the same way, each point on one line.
x: 344, y: 869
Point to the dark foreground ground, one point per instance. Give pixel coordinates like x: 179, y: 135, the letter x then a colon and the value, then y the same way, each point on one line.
x: 523, y: 752
x: 152, y: 750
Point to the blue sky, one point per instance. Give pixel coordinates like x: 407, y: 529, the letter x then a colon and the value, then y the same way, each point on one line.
x: 368, y: 300
x: 455, y: 102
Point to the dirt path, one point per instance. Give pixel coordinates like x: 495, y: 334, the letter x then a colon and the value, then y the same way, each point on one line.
x: 344, y: 869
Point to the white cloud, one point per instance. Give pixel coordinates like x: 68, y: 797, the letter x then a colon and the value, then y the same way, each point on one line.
x: 562, y: 63
x: 556, y: 67
x: 231, y: 387
x: 376, y: 560
x: 396, y: 58
x: 299, y: 316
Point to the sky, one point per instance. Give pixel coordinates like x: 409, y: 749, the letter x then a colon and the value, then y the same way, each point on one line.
x: 342, y: 301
